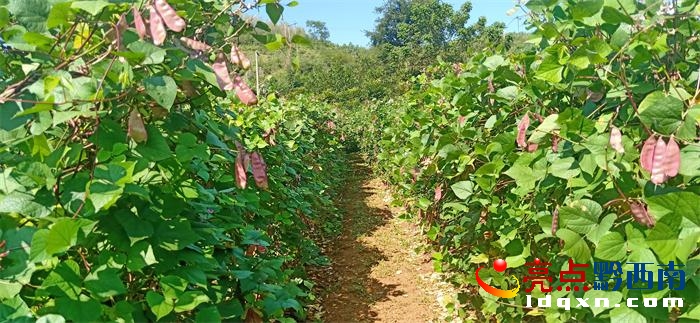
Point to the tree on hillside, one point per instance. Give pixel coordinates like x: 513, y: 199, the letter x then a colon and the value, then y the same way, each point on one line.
x: 412, y: 34
x: 318, y: 30
x: 419, y: 22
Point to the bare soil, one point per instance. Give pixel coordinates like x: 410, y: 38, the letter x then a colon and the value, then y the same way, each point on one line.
x: 376, y: 274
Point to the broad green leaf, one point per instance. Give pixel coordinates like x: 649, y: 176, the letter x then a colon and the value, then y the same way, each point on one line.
x: 614, y: 16
x: 188, y: 301
x: 463, y: 189
x: 136, y: 228
x: 152, y: 54
x: 676, y: 204
x: 609, y: 247
x: 61, y: 14
x: 208, y: 314
x: 156, y: 148
x: 175, y: 234
x: 564, y: 168
x: 274, y: 11
x: 661, y: 112
x: 31, y: 14
x: 88, y: 310
x: 63, y: 234
x: 548, y: 126
x: 104, y: 283
x: 493, y: 62
x: 63, y: 281
x: 158, y: 304
x: 140, y: 255
x: 580, y: 216
x: 162, y: 89
x: 613, y: 297
x: 301, y: 40
x: 663, y: 238
x: 586, y: 8
x: 93, y: 7
x: 627, y: 315
x: 575, y: 246
x: 690, y: 161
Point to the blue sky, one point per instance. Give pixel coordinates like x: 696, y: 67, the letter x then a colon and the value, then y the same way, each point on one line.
x: 348, y: 19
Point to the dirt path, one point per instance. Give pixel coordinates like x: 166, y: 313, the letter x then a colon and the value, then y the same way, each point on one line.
x: 376, y: 276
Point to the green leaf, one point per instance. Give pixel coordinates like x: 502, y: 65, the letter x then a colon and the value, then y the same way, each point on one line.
x: 4, y: 17
x: 31, y: 14
x: 614, y: 16
x: 208, y: 314
x: 463, y: 189
x: 175, y: 234
x: 494, y: 62
x: 274, y: 11
x: 301, y: 40
x: 627, y: 315
x: 9, y: 289
x: 663, y: 238
x: 586, y: 8
x: 93, y: 7
x: 156, y: 148
x: 188, y: 301
x: 136, y: 228
x: 575, y: 246
x: 580, y: 216
x: 140, y: 255
x: 105, y: 283
x: 61, y: 15
x: 152, y: 54
x: 564, y: 168
x: 88, y: 310
x: 37, y: 252
x: 550, y: 72
x: 24, y: 204
x: 64, y: 234
x: 159, y: 306
x: 661, y: 113
x: 63, y: 281
x: 614, y: 297
x: 609, y: 247
x: 677, y: 204
x: 548, y: 126
x: 162, y: 89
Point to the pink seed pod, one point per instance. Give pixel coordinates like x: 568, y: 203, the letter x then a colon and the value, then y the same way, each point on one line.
x: 616, y: 140
x: 195, y: 44
x: 522, y: 129
x: 555, y: 143
x: 555, y: 222
x: 221, y: 72
x: 157, y: 28
x: 532, y: 147
x: 462, y: 120
x: 238, y: 58
x: 672, y: 158
x: 646, y: 158
x: 139, y: 23
x: 243, y: 91
x: 438, y: 193
x: 658, y: 168
x: 170, y: 17
x: 259, y: 170
x: 136, y: 129
x: 240, y: 170
x: 641, y: 215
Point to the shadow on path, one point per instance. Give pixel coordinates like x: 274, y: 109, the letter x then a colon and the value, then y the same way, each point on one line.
x: 373, y: 276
